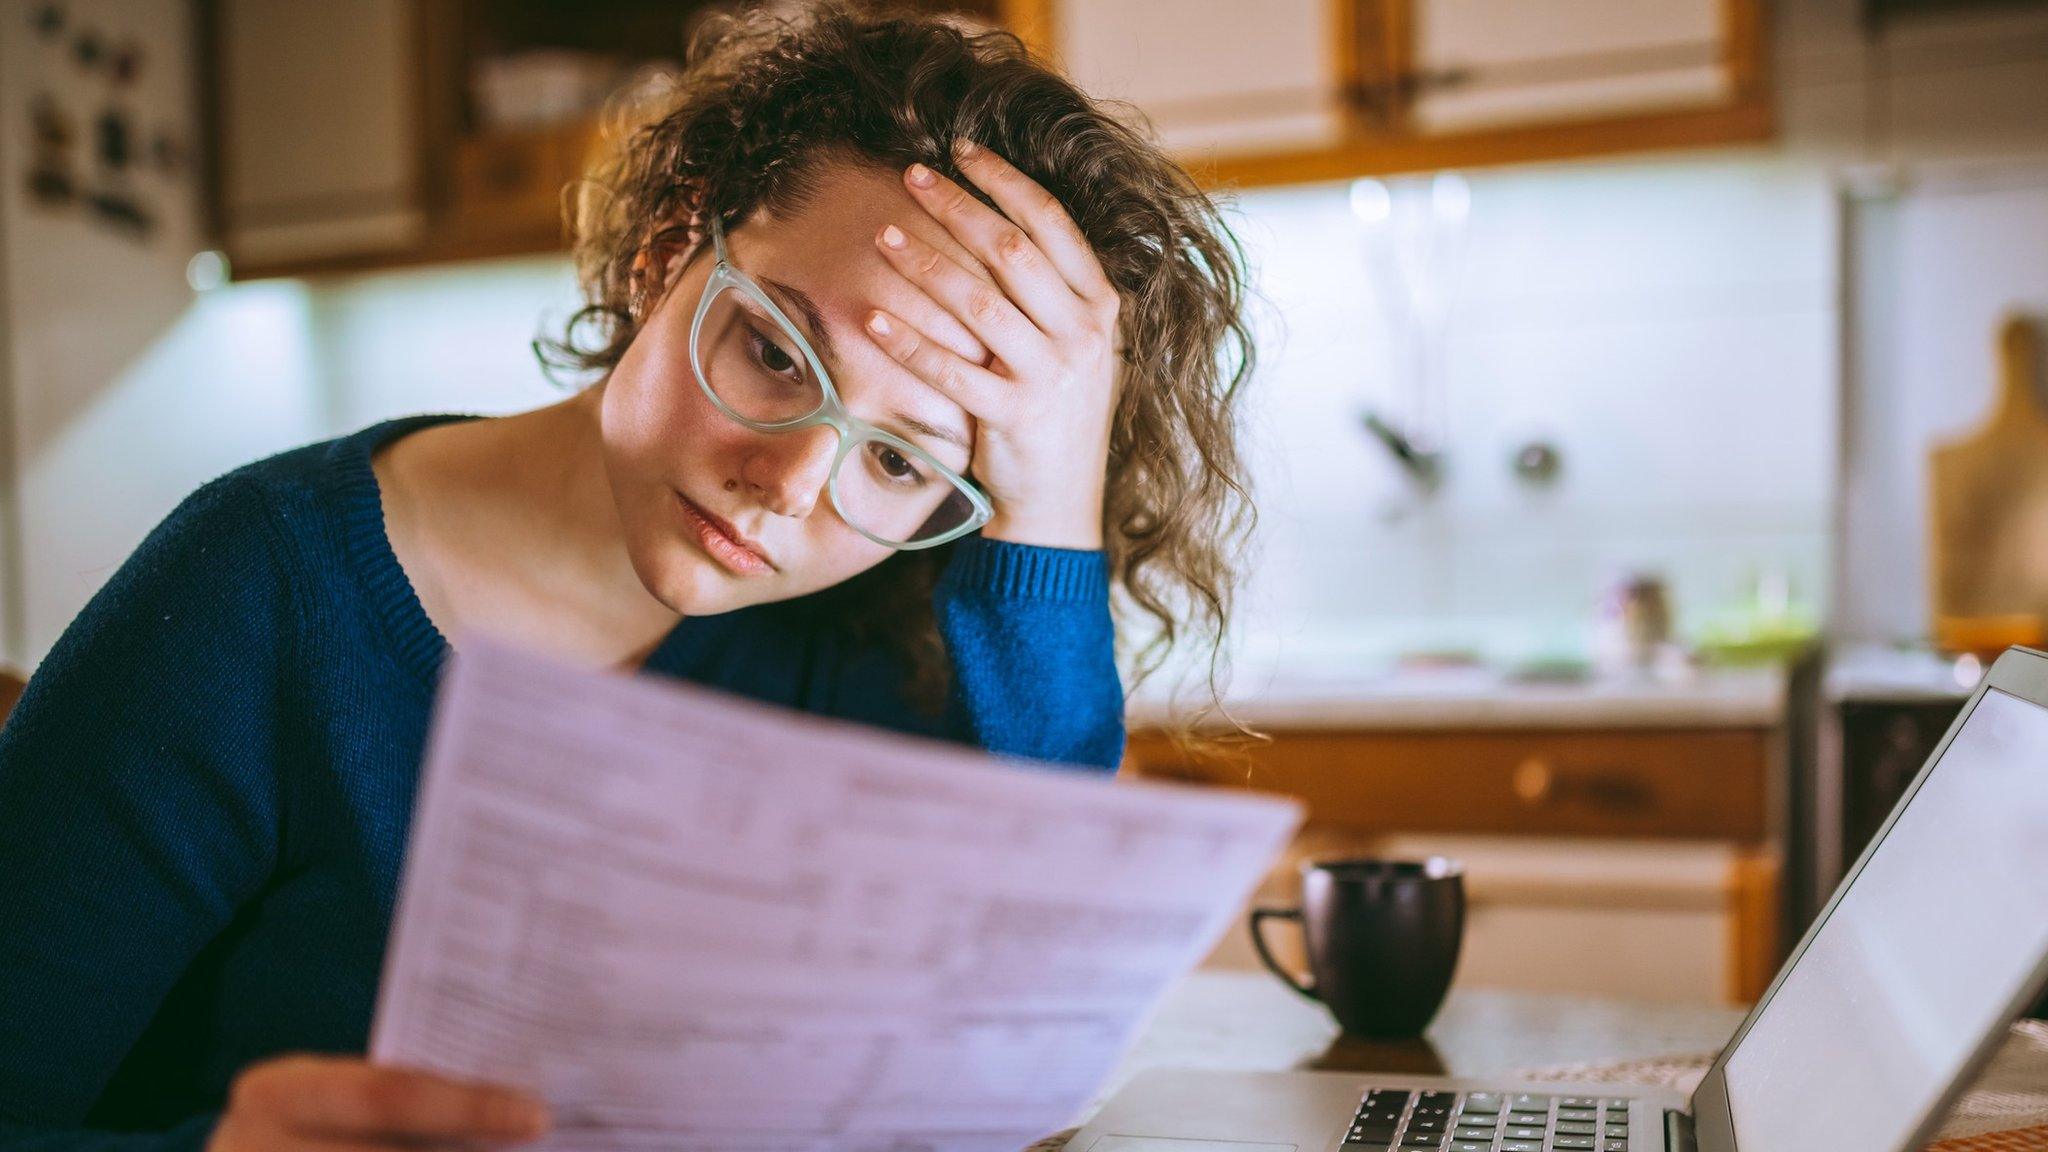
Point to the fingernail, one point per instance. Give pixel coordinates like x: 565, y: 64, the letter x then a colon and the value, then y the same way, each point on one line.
x: 920, y: 176
x: 878, y: 324
x: 892, y: 236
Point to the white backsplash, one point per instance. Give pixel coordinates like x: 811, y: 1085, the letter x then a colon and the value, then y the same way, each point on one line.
x: 1670, y: 327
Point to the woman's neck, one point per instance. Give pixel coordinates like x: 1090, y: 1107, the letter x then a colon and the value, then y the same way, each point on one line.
x: 512, y: 525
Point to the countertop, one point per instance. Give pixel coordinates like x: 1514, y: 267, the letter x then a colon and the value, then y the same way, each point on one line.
x: 1872, y: 673
x: 1309, y: 695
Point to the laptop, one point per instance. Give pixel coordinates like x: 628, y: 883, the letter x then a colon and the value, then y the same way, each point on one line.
x: 1901, y: 990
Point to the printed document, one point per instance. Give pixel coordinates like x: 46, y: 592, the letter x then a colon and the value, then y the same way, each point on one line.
x: 693, y: 921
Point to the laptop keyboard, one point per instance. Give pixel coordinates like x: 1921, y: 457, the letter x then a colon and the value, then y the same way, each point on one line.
x: 1389, y: 1118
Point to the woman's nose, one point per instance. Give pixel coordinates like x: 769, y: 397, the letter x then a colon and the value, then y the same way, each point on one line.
x: 789, y: 469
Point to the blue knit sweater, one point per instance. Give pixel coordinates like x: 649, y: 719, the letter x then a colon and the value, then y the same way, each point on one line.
x: 205, y: 791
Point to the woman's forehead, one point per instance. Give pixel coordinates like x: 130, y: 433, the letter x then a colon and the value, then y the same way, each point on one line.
x: 822, y: 267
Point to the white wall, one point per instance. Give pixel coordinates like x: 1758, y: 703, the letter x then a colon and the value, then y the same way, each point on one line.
x: 1670, y: 325
x: 452, y: 339
x: 124, y: 394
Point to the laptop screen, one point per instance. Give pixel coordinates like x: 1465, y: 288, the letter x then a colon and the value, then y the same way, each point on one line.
x: 1934, y: 938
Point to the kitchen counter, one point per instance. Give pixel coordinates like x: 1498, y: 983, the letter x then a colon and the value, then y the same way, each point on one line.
x: 1308, y: 696
x: 1862, y: 673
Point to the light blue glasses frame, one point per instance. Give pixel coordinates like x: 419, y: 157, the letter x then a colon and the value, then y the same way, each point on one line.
x: 853, y: 431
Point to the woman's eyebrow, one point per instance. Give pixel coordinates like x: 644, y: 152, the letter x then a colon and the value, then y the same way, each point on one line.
x: 814, y: 320
x: 936, y: 433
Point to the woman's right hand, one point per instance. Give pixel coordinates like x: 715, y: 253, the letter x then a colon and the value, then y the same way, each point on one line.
x: 344, y: 1104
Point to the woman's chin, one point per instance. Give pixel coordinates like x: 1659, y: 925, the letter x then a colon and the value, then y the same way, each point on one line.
x: 689, y: 583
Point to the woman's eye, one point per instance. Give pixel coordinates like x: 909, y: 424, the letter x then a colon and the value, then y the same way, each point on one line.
x: 896, y: 466
x: 771, y: 355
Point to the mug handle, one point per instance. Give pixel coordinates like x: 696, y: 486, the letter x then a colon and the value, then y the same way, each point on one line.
x: 1259, y: 917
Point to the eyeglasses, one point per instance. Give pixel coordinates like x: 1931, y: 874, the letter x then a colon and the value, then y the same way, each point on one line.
x: 756, y: 366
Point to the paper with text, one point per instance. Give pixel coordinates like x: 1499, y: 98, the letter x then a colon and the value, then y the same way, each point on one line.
x: 692, y: 921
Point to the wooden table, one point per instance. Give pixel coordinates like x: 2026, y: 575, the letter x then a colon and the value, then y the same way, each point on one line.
x: 1248, y: 1021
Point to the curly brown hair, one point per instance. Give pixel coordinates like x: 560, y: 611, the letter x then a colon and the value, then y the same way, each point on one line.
x: 768, y: 99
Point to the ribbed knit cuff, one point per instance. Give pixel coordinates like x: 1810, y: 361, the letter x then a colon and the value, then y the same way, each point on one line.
x: 1027, y: 571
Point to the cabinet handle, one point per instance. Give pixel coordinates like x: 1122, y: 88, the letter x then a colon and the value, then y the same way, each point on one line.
x: 1534, y: 780
x: 1382, y: 97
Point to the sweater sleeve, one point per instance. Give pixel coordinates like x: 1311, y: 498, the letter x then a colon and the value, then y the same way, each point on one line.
x: 138, y: 810
x: 1033, y: 651
x: 1031, y: 648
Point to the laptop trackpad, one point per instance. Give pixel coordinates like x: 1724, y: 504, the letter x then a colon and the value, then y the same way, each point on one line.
x: 1168, y: 1144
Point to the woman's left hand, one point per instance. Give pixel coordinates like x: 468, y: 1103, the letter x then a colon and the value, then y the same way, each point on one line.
x: 1043, y: 404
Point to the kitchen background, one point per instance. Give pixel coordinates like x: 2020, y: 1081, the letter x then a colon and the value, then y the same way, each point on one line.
x: 1568, y: 311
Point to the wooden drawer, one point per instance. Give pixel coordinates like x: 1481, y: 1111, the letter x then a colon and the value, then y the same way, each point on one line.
x: 1683, y: 783
x: 509, y: 184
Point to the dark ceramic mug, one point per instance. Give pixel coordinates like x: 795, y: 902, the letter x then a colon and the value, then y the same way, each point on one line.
x: 1382, y: 937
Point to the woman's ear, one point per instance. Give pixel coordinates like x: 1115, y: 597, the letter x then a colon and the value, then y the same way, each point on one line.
x: 658, y: 265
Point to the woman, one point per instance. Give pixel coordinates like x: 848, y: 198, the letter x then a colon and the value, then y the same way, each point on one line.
x: 904, y: 354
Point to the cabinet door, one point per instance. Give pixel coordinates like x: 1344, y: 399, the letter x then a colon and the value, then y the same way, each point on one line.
x: 1212, y: 76
x: 1483, y: 63
x: 317, y: 132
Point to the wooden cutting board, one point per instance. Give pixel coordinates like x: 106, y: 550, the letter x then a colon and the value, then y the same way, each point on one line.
x: 1989, y: 507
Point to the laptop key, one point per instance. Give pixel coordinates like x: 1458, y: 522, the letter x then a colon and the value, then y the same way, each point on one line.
x: 1482, y: 1102
x: 1381, y: 1134
x: 1614, y: 1146
x: 1579, y: 1102
x: 1530, y: 1102
x: 1422, y: 1140
x: 1572, y: 1143
x: 1525, y: 1133
x: 1472, y: 1145
x: 1521, y: 1146
x: 1576, y: 1127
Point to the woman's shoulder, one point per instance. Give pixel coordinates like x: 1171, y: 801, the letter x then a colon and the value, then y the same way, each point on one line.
x: 268, y: 523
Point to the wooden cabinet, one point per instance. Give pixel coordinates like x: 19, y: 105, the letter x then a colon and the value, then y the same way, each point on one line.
x: 1704, y: 783
x: 1621, y: 861
x: 314, y: 130
x: 347, y: 134
x: 1210, y: 77
x: 1479, y: 64
x: 350, y: 134
x: 1300, y: 90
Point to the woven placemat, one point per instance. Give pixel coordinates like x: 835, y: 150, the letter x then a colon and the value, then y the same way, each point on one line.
x: 2006, y: 1110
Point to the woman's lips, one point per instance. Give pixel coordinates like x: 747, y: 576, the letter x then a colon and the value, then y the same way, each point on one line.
x: 719, y: 544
